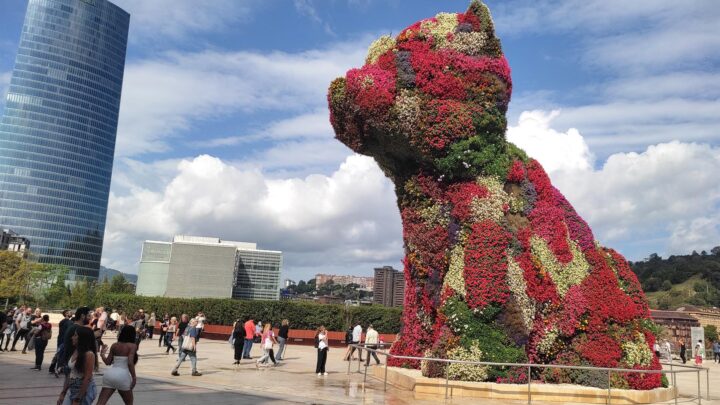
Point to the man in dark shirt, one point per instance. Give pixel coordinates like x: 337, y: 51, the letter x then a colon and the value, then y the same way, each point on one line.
x: 62, y: 328
x: 81, y: 319
x: 180, y: 332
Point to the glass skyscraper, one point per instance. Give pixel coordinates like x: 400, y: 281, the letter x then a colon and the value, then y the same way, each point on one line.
x: 57, y: 134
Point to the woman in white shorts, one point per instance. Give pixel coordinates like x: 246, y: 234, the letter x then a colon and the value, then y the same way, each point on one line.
x: 121, y: 376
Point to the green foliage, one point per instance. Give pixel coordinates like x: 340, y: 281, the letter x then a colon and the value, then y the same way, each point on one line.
x: 302, y: 315
x: 694, y: 279
x: 473, y: 157
x: 14, y: 272
x: 481, y: 329
x: 711, y: 333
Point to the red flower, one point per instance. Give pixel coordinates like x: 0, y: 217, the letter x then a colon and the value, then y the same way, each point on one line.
x: 461, y: 196
x: 486, y: 265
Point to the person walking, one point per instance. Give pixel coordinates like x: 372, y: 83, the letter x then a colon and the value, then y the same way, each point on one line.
x: 170, y: 335
x: 668, y: 349
x: 189, y: 349
x: 201, y: 323
x: 372, y: 339
x: 180, y: 332
x: 151, y: 325
x: 122, y: 358
x: 282, y: 339
x: 163, y: 329
x: 79, y: 383
x: 267, y: 341
x: 683, y: 350
x: 656, y: 349
x: 356, y: 336
x: 716, y: 351
x: 699, y: 353
x: 238, y: 341
x: 5, y: 327
x: 62, y: 328
x: 249, y: 336
x: 23, y: 326
x: 42, y: 336
x: 80, y: 320
x: 321, y: 341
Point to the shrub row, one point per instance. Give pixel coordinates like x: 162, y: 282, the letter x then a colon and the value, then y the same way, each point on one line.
x: 302, y: 315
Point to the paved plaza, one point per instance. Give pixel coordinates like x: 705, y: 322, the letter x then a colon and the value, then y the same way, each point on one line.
x: 292, y: 382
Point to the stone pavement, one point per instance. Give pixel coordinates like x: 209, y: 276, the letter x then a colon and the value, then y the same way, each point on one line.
x: 292, y: 382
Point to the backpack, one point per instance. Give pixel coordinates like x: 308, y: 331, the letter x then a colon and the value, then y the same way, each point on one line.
x: 46, y: 334
x: 317, y: 341
x: 349, y: 336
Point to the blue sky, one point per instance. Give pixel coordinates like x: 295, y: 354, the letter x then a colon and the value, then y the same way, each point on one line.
x: 224, y: 129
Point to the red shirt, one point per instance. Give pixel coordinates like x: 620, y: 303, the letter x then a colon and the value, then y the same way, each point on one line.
x: 249, y: 329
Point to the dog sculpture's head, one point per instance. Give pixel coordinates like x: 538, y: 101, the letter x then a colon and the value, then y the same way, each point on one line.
x: 433, y: 99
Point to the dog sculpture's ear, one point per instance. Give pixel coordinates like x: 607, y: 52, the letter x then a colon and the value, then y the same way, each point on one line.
x: 477, y: 19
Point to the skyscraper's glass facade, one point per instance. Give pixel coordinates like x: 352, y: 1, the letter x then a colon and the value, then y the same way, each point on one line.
x: 57, y: 134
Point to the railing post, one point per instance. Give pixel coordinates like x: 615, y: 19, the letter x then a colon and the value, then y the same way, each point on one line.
x: 349, y: 364
x: 699, y: 395
x: 608, y: 400
x: 529, y: 382
x: 707, y: 376
x: 447, y: 379
x: 387, y: 357
x: 366, y: 367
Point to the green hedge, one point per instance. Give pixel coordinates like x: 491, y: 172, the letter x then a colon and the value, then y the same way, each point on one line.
x: 302, y: 315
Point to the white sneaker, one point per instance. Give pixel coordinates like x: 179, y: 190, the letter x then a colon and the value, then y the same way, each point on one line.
x: 325, y: 374
x: 319, y: 374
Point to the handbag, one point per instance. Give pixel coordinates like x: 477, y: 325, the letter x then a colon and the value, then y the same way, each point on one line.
x: 188, y: 344
x: 31, y: 343
x: 268, y: 343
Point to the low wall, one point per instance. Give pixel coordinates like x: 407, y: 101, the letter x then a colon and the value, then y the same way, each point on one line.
x: 295, y: 336
x: 424, y: 387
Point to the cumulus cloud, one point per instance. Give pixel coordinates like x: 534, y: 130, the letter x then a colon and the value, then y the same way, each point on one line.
x: 346, y: 221
x: 554, y: 150
x: 666, y: 196
x: 164, y: 96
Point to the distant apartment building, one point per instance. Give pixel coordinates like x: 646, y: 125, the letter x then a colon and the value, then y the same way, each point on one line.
x: 287, y: 282
x: 10, y: 241
x: 365, y: 283
x: 389, y: 287
x: 202, y: 267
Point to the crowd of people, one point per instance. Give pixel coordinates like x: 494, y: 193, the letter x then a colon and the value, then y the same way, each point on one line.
x: 80, y: 346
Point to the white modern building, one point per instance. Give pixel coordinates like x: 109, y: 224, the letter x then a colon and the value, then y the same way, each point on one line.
x: 202, y: 267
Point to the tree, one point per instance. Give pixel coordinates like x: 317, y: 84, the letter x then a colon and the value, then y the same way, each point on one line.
x: 715, y: 251
x: 119, y: 285
x: 14, y: 272
x: 711, y: 333
x: 666, y: 285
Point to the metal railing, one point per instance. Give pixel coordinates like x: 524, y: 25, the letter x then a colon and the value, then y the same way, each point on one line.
x: 368, y: 349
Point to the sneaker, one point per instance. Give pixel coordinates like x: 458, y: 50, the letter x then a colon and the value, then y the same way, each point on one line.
x: 196, y: 374
x: 24, y: 352
x: 175, y: 373
x: 325, y: 373
x: 319, y: 374
x: 13, y: 349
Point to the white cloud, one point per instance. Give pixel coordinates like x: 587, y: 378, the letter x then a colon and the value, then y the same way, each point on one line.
x: 163, y: 97
x: 667, y: 196
x: 554, y: 150
x: 347, y: 220
x: 313, y: 125
x: 176, y: 19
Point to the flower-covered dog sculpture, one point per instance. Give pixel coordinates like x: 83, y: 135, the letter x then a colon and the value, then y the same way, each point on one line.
x: 498, y: 266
